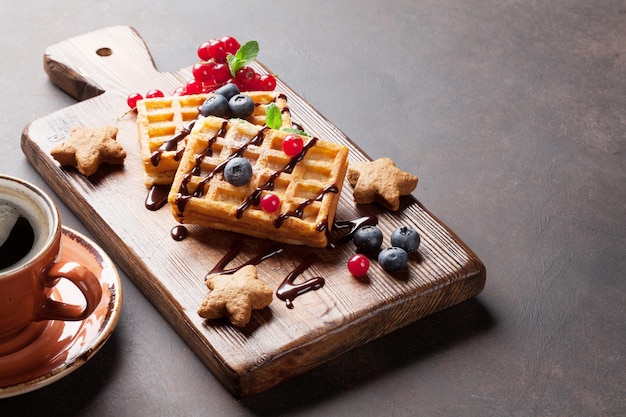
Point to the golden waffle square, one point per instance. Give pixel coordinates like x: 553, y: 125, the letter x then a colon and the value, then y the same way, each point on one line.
x: 308, y: 184
x: 164, y: 122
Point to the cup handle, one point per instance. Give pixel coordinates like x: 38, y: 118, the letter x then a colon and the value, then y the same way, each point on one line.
x: 84, y: 280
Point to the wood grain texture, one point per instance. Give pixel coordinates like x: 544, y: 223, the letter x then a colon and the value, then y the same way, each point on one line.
x: 100, y: 69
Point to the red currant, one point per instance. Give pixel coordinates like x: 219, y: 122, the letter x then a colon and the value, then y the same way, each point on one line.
x: 221, y: 73
x: 203, y: 71
x: 154, y: 93
x: 133, y: 99
x: 217, y: 50
x: 270, y: 202
x: 203, y: 51
x: 266, y: 82
x: 246, y: 77
x: 292, y: 145
x: 252, y: 82
x: 231, y: 46
x: 358, y: 265
x: 193, y: 87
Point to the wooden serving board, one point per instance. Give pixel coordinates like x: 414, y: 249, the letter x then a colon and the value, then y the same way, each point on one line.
x: 100, y: 69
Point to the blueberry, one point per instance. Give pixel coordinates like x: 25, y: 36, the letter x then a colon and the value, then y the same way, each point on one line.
x: 393, y: 259
x: 238, y: 171
x: 215, y: 105
x: 241, y: 106
x: 228, y: 90
x: 368, y: 238
x: 405, y: 238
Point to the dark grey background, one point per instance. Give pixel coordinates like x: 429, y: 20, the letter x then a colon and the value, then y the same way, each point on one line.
x: 513, y: 115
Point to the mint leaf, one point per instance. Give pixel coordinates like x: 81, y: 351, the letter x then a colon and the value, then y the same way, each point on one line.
x: 273, y: 118
x: 296, y: 131
x: 245, y: 55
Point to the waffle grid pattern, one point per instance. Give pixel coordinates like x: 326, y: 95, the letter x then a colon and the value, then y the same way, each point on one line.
x: 308, y: 185
x: 162, y: 118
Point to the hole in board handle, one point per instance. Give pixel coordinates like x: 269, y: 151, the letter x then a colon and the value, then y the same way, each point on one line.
x: 104, y: 51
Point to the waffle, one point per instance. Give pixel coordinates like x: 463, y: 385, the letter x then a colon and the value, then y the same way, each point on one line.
x: 164, y: 122
x: 308, y: 185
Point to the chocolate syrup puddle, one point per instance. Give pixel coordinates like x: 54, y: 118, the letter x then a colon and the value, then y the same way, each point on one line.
x: 172, y: 143
x: 234, y: 250
x: 353, y: 225
x: 179, y: 232
x: 288, y: 291
x: 157, y: 197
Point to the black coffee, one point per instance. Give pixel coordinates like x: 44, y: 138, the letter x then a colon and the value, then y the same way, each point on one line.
x: 18, y: 244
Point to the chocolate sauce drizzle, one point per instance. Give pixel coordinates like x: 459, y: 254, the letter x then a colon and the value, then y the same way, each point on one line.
x: 232, y: 253
x: 288, y: 291
x: 255, y: 198
x: 172, y: 143
x: 257, y: 140
x: 299, y: 211
x: 285, y: 109
x: 157, y: 197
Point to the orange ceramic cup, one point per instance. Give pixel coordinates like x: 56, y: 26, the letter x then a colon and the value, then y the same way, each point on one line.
x: 26, y: 283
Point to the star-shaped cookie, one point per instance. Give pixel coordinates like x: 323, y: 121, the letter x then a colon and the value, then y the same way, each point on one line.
x: 235, y: 296
x: 87, y: 148
x: 380, y: 181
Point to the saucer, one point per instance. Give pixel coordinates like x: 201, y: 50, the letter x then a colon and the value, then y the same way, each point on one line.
x: 51, y: 350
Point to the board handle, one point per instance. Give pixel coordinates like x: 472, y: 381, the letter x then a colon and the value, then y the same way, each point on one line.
x: 113, y: 59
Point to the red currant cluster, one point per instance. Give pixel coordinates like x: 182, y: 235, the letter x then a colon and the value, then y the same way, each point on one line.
x: 214, y: 70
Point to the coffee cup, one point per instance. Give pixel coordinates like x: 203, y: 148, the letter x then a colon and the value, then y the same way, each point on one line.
x: 30, y: 244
